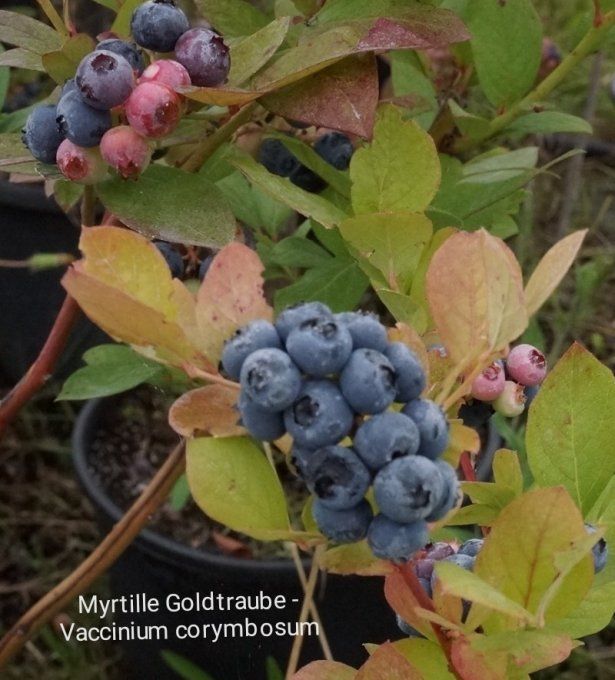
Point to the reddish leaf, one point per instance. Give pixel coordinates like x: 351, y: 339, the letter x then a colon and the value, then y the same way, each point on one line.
x: 230, y: 296
x: 342, y: 97
x: 207, y: 410
x: 386, y: 663
x: 402, y: 601
x: 471, y: 664
x: 231, y: 546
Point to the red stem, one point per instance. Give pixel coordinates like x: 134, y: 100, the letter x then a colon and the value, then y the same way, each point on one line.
x: 467, y: 467
x: 43, y: 366
x: 411, y: 580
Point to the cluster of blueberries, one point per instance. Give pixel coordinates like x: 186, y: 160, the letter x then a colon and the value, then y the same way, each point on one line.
x: 465, y: 557
x: 113, y: 85
x: 324, y: 377
x: 506, y: 386
x: 333, y: 147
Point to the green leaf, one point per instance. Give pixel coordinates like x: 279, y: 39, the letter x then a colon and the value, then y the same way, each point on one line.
x: 61, y: 64
x: 548, y: 122
x: 232, y: 17
x: 338, y: 283
x: 506, y: 45
x: 493, y: 168
x: 483, y: 515
x: 403, y: 308
x: 507, y: 471
x: 344, y: 10
x: 173, y: 205
x: 338, y: 179
x: 295, y: 251
x: 408, y: 78
x: 233, y: 483
x: 5, y: 78
x: 518, y: 556
x: 274, y: 672
x: 121, y: 24
x: 487, y: 493
x: 571, y: 430
x: 183, y: 667
x: 180, y: 494
x: 399, y: 171
x: 282, y: 189
x: 23, y: 31
x: 391, y: 242
x: 110, y: 369
x: 354, y: 558
x: 592, y: 615
x: 21, y: 58
x: 461, y: 583
x: 14, y: 157
x: 426, y: 656
x: 250, y: 54
x: 67, y: 193
x: 470, y: 125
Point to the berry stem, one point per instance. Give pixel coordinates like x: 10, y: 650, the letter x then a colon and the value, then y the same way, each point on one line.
x: 411, y: 580
x: 588, y: 44
x: 310, y: 587
x: 56, y: 20
x: 465, y: 462
x: 204, y: 150
x: 100, y: 560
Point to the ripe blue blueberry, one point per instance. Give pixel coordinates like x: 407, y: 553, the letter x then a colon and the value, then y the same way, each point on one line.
x: 368, y: 381
x: 158, y: 24
x: 471, y: 547
x: 390, y: 540
x: 280, y: 161
x: 203, y: 53
x: 410, y: 380
x: 130, y: 52
x: 41, y: 134
x: 299, y: 458
x: 270, y: 379
x: 464, y: 561
x: 247, y: 339
x: 69, y: 86
x: 319, y: 346
x: 384, y: 438
x: 426, y: 585
x: 105, y: 79
x: 451, y: 493
x: 600, y: 551
x: 261, y: 425
x: 432, y: 424
x: 343, y: 526
x: 407, y: 629
x: 365, y: 330
x: 306, y: 179
x: 320, y: 415
x: 79, y: 122
x: 173, y: 258
x: 336, y: 475
x: 295, y: 315
x: 408, y: 489
x: 336, y: 149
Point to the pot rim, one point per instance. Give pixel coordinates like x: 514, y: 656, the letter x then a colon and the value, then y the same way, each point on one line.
x: 148, y: 539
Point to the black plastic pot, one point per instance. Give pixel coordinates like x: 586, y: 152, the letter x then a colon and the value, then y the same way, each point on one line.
x: 29, y: 301
x: 353, y: 609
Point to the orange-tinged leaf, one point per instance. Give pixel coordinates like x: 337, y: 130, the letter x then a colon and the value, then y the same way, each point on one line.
x: 386, y: 663
x: 472, y: 664
x: 551, y: 270
x: 130, y: 320
x: 325, y: 670
x: 475, y: 294
x: 402, y: 601
x: 125, y: 260
x: 461, y: 438
x: 230, y: 296
x: 207, y: 410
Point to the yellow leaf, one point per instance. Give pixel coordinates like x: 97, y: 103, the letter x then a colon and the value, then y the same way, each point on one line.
x: 462, y: 438
x: 230, y: 296
x: 551, y: 270
x: 475, y: 294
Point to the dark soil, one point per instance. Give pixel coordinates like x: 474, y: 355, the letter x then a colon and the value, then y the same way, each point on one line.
x: 131, y: 443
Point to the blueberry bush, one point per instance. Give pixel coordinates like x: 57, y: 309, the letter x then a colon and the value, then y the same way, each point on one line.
x: 306, y: 210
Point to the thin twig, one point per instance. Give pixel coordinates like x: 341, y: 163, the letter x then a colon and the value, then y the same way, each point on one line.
x: 99, y: 561
x: 295, y: 652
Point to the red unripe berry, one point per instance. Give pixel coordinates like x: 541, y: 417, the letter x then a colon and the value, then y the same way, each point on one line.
x: 526, y: 365
x: 85, y: 166
x: 168, y: 72
x: 490, y: 383
x: 511, y: 402
x: 125, y: 151
x: 153, y: 109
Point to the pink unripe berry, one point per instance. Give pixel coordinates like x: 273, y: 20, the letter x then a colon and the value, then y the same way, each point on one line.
x: 511, y: 402
x: 85, y: 166
x: 153, y: 109
x: 168, y: 72
x: 125, y: 151
x: 490, y: 383
x: 526, y: 365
